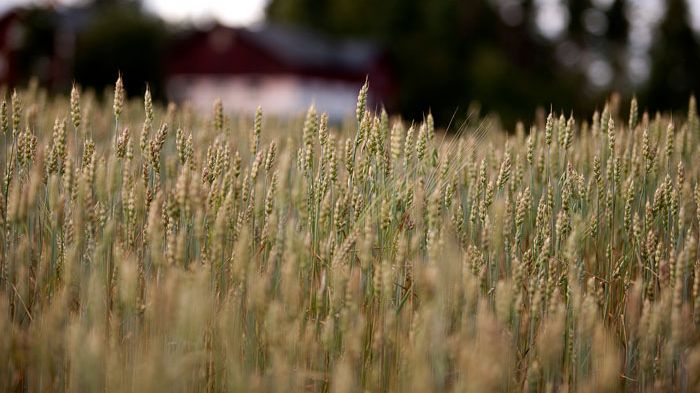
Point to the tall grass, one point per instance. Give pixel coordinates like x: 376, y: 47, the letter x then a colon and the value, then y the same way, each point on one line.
x: 162, y: 249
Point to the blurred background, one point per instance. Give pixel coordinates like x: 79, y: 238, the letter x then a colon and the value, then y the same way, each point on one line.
x: 451, y: 57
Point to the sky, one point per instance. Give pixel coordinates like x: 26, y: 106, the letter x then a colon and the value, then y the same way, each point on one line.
x: 230, y: 12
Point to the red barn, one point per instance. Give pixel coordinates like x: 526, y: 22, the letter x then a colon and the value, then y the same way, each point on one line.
x: 283, y: 69
x: 10, y: 39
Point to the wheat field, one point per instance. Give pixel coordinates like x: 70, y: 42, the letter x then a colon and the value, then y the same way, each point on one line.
x: 149, y: 248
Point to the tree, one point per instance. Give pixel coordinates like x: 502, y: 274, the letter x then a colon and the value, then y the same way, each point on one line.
x: 675, y: 60
x: 444, y: 52
x: 121, y: 38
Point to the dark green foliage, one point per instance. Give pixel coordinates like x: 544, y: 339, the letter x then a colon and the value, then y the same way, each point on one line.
x: 447, y: 53
x: 121, y: 39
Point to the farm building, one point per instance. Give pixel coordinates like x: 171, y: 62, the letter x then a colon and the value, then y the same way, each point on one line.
x: 283, y: 69
x: 9, y: 37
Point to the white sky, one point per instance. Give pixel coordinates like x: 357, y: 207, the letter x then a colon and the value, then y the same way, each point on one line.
x: 231, y: 12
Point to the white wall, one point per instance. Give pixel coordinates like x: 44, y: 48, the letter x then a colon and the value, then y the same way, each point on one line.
x: 283, y: 95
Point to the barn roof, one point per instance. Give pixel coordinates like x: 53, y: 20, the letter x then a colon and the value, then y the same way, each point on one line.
x: 305, y: 48
x: 271, y: 48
